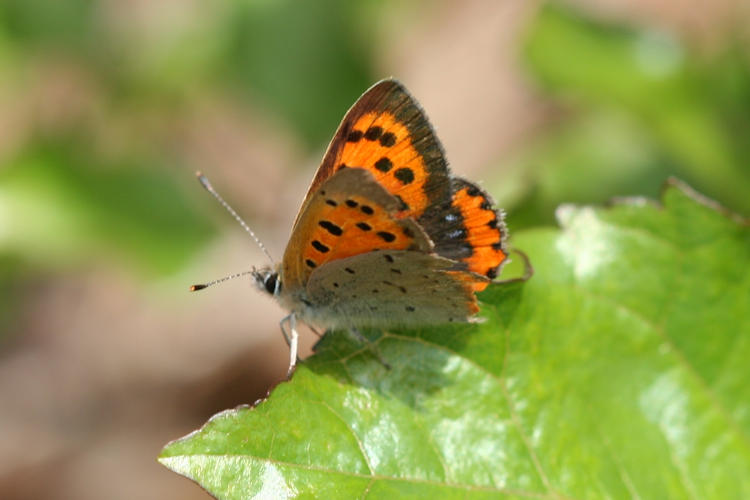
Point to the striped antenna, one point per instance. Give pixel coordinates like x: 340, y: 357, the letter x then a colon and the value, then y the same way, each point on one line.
x: 195, y: 288
x: 207, y: 185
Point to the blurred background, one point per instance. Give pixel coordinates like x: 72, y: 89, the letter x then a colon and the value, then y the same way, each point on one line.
x: 107, y: 107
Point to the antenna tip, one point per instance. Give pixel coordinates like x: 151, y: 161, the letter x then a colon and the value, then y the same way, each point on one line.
x: 203, y: 180
x: 195, y: 288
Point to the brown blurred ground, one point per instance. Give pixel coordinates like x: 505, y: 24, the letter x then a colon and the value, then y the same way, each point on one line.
x: 104, y: 369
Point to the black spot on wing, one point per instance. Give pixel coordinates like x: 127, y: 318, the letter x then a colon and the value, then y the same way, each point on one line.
x: 384, y: 164
x: 388, y: 139
x: 400, y: 288
x: 386, y: 236
x: 320, y: 247
x: 331, y: 227
x: 373, y: 133
x: 405, y: 175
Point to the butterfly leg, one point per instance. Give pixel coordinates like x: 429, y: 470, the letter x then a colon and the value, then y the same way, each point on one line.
x: 371, y: 346
x: 316, y: 332
x: 291, y: 338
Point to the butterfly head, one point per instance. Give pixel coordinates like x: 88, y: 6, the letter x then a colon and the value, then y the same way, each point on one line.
x: 267, y: 279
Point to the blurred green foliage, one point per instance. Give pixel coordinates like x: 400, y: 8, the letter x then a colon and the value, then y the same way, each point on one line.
x: 636, y: 105
x: 36, y: 23
x: 307, y: 60
x: 64, y: 200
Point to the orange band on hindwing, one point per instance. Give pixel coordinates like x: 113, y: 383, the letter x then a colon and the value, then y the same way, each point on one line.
x: 485, y: 231
x: 468, y: 229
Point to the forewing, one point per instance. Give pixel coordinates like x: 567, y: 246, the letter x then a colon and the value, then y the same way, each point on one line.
x: 387, y: 133
x: 392, y: 288
x: 349, y: 214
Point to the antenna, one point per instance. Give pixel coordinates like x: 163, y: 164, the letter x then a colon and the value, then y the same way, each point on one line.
x: 207, y: 185
x: 195, y: 288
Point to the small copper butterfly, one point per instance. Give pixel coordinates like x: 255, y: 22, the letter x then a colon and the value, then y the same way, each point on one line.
x: 386, y: 236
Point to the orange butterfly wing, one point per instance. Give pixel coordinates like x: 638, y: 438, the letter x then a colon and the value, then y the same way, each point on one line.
x: 387, y: 134
x: 349, y: 214
x: 355, y: 263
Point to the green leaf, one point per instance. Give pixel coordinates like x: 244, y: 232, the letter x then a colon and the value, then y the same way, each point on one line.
x: 619, y: 370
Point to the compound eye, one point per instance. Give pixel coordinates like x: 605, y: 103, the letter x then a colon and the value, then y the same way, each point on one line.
x: 270, y: 282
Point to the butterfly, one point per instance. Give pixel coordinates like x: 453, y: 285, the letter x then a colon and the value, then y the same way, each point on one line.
x: 386, y: 236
